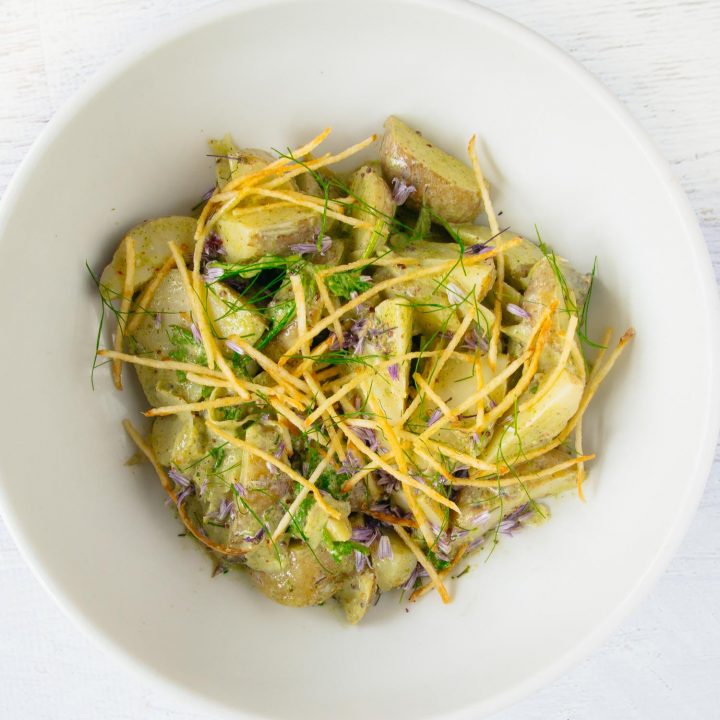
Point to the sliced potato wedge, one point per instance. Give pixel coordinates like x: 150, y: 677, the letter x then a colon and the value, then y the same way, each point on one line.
x: 368, y: 186
x: 443, y: 183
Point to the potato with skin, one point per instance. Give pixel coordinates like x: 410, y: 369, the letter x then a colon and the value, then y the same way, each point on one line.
x: 307, y: 577
x: 367, y: 184
x: 266, y: 230
x: 479, y: 508
x: 151, y: 251
x: 442, y: 182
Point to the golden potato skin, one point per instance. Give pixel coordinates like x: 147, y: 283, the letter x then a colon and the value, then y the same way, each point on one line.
x: 443, y: 183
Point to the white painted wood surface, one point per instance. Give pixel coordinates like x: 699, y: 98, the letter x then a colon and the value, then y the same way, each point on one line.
x: 662, y: 58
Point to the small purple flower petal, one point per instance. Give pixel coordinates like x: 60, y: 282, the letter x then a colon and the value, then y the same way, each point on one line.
x: 384, y: 551
x: 195, y: 333
x: 310, y: 248
x: 203, y: 487
x: 478, y: 249
x: 213, y: 273
x: 349, y: 465
x: 480, y: 519
x: 401, y: 191
x: 226, y: 509
x: 213, y: 248
x: 516, y: 310
x: 184, y: 494
x: 256, y: 537
x: 234, y: 347
x: 280, y: 450
x: 240, y: 489
x: 386, y: 482
x: 178, y: 478
x: 437, y: 414
x: 394, y: 372
x: 361, y: 561
x: 364, y: 534
x: 515, y: 519
x: 455, y: 294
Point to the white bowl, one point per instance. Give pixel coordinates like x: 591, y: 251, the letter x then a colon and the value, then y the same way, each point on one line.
x: 559, y: 151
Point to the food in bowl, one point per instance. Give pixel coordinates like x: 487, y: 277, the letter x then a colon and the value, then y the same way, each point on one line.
x: 353, y: 386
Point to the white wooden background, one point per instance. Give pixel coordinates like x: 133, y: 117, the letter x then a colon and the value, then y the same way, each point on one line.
x: 662, y: 58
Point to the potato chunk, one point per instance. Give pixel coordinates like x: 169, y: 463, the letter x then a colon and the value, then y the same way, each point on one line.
x: 367, y: 184
x: 443, y: 183
x: 151, y: 251
x: 266, y: 230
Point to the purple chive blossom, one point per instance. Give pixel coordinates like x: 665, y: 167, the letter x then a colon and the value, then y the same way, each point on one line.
x: 386, y: 482
x: 480, y: 519
x: 358, y: 402
x: 184, y: 494
x: 476, y: 543
x: 195, y: 333
x: 213, y: 273
x: 384, y: 550
x: 401, y: 191
x: 475, y: 438
x: 349, y: 465
x: 515, y: 519
x: 280, y: 450
x: 444, y: 547
x: 234, y: 347
x: 203, y: 487
x: 310, y: 248
x: 271, y: 468
x: 516, y: 310
x: 491, y: 403
x: 361, y: 561
x: 158, y: 320
x: 367, y: 435
x: 394, y: 372
x: 478, y: 249
x: 213, y: 248
x: 455, y: 294
x: 178, y: 478
x: 474, y: 341
x: 437, y: 414
x: 256, y: 537
x: 418, y: 572
x: 226, y: 509
x: 240, y: 489
x: 458, y: 534
x: 364, y: 534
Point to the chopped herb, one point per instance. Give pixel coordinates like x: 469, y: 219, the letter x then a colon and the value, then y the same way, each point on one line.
x: 344, y: 284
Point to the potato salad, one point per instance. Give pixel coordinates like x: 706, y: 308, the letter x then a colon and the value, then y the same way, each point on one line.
x: 355, y: 379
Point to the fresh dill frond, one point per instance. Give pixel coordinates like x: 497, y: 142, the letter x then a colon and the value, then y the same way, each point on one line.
x: 344, y: 284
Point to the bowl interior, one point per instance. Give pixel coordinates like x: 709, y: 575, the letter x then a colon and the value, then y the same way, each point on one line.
x: 558, y: 153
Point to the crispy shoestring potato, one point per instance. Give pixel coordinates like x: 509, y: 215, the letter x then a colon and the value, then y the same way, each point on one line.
x: 353, y: 385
